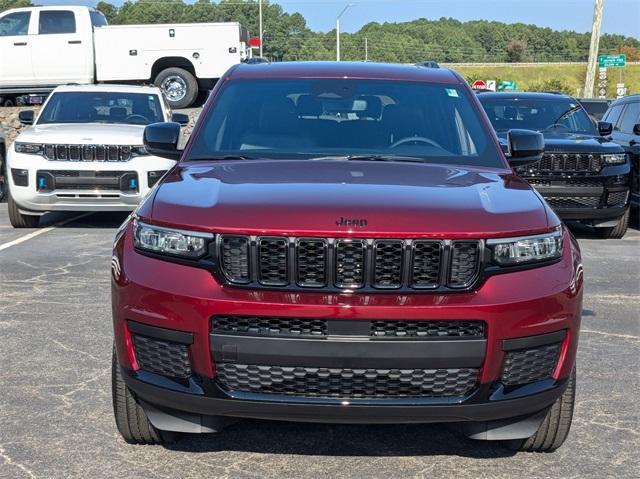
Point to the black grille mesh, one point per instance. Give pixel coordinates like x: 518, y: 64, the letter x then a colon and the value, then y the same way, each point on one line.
x: 565, y: 162
x: 388, y: 264
x: 425, y: 271
x: 269, y: 326
x: 529, y: 365
x: 617, y: 198
x: 87, y: 152
x: 347, y: 383
x: 311, y: 256
x: 273, y: 257
x: 428, y: 329
x: 162, y: 357
x: 464, y: 263
x: 235, y: 258
x: 350, y: 263
x: 560, y: 202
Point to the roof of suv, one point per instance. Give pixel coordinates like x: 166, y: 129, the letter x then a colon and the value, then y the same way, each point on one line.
x: 524, y: 95
x: 627, y: 99
x: 363, y: 70
x: 109, y: 88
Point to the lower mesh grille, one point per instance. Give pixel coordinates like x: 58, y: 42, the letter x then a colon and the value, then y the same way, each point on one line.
x: 162, y: 357
x: 529, y: 365
x: 347, y: 383
x: 269, y: 326
x: 617, y: 198
x: 467, y: 329
x: 559, y: 202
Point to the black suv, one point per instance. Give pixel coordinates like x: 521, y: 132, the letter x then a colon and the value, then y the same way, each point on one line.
x: 624, y: 115
x: 583, y: 175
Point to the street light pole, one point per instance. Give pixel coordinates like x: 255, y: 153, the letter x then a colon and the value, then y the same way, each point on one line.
x: 338, y: 30
x: 260, y: 22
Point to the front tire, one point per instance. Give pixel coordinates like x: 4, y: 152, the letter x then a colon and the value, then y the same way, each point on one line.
x: 19, y: 220
x: 131, y: 420
x: 179, y: 86
x: 618, y: 231
x: 554, y: 428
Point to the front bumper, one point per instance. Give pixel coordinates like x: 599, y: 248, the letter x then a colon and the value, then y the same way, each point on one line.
x: 595, y: 199
x: 176, y: 303
x: 39, y: 185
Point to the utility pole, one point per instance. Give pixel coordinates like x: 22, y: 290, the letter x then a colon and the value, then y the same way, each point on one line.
x: 593, y: 49
x: 260, y: 22
x: 366, y: 50
x: 338, y: 30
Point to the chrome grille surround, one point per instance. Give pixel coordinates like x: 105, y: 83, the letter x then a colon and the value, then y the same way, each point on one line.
x: 346, y: 264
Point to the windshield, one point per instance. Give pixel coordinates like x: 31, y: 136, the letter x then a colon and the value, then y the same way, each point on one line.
x: 354, y: 118
x: 561, y: 115
x: 102, y: 107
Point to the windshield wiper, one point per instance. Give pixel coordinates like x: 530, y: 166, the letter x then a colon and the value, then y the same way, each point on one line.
x: 410, y: 159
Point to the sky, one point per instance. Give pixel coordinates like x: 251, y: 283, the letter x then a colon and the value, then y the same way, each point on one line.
x: 620, y: 16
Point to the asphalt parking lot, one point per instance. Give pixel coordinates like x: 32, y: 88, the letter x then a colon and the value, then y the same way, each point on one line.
x: 55, y: 397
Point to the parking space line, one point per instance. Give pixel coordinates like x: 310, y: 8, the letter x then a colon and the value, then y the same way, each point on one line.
x: 42, y: 231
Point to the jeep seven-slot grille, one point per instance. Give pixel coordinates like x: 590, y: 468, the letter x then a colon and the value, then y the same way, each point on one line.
x: 378, y: 264
x: 347, y: 383
x: 88, y: 152
x: 558, y: 162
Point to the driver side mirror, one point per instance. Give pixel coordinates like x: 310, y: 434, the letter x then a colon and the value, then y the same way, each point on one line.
x: 26, y: 117
x: 605, y: 128
x: 161, y: 139
x: 525, y: 146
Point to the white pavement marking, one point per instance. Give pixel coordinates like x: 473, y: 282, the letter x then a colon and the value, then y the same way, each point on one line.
x: 42, y: 231
x: 613, y: 335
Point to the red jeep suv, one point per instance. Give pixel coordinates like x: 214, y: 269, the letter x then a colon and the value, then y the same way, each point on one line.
x: 345, y: 243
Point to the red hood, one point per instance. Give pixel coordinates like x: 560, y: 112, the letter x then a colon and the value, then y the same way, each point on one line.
x: 308, y: 198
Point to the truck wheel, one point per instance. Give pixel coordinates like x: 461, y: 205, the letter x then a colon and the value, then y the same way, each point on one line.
x: 131, y: 420
x: 179, y: 86
x: 8, y: 102
x: 554, y: 428
x: 617, y: 231
x: 17, y: 219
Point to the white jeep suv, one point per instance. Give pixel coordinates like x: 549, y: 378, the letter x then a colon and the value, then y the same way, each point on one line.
x: 84, y: 152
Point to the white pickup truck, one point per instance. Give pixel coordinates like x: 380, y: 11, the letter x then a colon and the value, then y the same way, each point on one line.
x: 43, y: 47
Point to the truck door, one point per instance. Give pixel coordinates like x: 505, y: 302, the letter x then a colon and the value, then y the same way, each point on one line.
x: 15, y: 50
x: 61, y: 49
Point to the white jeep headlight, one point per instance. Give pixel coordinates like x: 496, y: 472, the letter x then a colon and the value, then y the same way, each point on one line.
x: 526, y: 249
x: 29, y: 148
x: 160, y: 240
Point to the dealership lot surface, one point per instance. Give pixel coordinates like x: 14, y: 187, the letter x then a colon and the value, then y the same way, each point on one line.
x: 55, y: 397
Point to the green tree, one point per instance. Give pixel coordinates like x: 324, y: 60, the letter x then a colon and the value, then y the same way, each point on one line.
x: 110, y: 11
x: 7, y: 4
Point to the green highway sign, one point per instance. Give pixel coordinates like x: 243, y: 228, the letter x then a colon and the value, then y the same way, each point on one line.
x: 605, y: 61
x: 507, y: 85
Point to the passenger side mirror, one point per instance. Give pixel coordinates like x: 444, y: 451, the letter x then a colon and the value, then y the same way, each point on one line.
x: 180, y: 118
x: 636, y: 129
x: 161, y: 139
x: 26, y: 117
x: 605, y: 128
x: 525, y: 146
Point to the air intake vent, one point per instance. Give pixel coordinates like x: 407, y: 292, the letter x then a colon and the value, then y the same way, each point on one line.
x: 273, y: 258
x: 464, y: 263
x: 235, y: 258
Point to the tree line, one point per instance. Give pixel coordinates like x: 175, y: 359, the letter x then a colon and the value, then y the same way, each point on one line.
x: 287, y: 36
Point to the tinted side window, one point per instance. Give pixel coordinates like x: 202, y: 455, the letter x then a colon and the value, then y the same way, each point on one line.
x: 97, y: 19
x: 630, y: 117
x: 15, y: 24
x: 613, y: 114
x: 57, y: 21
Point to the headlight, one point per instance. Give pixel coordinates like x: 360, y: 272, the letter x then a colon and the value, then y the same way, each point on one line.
x: 156, y: 239
x: 615, y: 158
x: 527, y: 249
x: 29, y: 148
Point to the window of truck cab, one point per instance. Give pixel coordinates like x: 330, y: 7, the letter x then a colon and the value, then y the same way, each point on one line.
x: 54, y: 22
x: 15, y: 24
x: 315, y: 117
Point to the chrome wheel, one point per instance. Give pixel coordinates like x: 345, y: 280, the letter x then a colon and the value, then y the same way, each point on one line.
x: 174, y: 87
